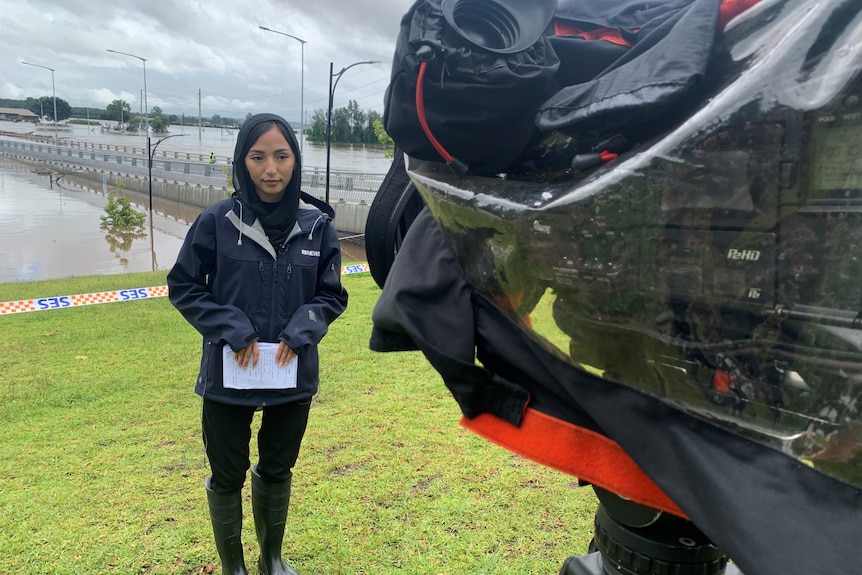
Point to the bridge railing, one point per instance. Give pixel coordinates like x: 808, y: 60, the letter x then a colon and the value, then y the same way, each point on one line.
x: 349, y: 186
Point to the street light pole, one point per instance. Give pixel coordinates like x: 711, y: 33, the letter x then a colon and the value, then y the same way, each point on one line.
x: 301, y: 81
x: 151, y: 152
x: 146, y: 107
x: 329, y: 112
x: 56, y: 140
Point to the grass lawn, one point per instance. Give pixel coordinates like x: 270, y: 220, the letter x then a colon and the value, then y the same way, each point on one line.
x: 102, y: 466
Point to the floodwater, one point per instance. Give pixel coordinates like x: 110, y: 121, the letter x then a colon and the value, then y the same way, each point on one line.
x: 219, y: 141
x: 52, y: 230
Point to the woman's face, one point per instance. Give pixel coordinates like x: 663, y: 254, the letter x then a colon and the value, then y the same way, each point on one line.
x: 270, y: 163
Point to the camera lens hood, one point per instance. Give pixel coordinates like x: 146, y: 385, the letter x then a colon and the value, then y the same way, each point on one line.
x: 500, y: 26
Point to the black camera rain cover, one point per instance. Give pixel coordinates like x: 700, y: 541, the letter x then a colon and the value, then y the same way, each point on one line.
x: 480, y: 104
x: 671, y: 42
x: 697, y: 301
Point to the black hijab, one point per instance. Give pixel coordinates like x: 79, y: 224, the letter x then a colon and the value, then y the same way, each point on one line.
x: 279, y: 221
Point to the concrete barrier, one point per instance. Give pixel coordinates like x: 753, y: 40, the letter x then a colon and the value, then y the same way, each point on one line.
x: 350, y: 216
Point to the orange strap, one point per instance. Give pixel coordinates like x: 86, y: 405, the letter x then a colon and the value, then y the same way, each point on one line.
x: 574, y: 450
x: 730, y: 9
x: 563, y: 28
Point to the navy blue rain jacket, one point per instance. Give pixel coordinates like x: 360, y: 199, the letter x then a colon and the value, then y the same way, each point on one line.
x: 234, y: 288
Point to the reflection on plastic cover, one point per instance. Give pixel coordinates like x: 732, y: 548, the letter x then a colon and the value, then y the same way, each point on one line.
x: 717, y: 269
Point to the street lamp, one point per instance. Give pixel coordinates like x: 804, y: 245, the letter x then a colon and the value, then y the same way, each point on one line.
x: 56, y: 140
x: 329, y: 112
x: 151, y: 152
x: 146, y: 108
x: 301, y: 80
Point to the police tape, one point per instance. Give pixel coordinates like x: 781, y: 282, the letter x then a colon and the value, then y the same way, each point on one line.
x: 81, y: 299
x: 132, y: 294
x: 355, y: 269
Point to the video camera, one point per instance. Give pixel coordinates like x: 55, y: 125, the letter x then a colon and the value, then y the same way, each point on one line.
x: 723, y: 271
x: 707, y: 278
x: 716, y: 266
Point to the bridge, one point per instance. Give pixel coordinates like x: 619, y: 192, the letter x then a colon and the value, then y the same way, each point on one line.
x: 187, y: 178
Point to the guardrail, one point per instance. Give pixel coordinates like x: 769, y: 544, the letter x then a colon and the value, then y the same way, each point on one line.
x: 347, y: 186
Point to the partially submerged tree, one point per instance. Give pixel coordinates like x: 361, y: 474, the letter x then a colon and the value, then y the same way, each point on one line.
x: 118, y: 110
x: 119, y: 213
x: 44, y: 106
x: 159, y: 123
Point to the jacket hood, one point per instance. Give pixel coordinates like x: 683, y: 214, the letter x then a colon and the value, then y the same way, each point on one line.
x: 242, y: 180
x: 280, y: 221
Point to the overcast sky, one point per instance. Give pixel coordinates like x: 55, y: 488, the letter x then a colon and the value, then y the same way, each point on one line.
x: 215, y: 46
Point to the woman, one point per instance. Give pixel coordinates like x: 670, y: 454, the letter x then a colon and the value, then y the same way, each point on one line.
x: 262, y: 267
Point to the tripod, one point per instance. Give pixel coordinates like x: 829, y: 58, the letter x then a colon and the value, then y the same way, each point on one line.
x: 634, y: 539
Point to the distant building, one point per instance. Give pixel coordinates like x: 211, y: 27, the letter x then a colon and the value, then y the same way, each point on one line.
x: 18, y: 115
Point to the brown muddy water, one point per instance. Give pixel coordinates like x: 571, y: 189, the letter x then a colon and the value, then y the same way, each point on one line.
x: 52, y: 229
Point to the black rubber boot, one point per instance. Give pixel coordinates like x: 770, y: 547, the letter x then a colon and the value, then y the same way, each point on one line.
x: 226, y: 517
x: 269, y: 502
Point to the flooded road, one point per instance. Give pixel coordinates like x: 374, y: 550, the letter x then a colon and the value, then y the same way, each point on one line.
x: 219, y: 141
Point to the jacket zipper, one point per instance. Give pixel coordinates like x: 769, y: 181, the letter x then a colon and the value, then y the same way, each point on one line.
x: 273, y: 310
x: 262, y: 271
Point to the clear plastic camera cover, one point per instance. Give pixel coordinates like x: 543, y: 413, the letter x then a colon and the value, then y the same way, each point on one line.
x: 716, y: 266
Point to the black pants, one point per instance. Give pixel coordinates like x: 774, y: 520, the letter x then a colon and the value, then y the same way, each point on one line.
x: 226, y: 431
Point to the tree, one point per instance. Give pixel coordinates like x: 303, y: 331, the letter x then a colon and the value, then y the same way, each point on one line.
x: 216, y: 120
x: 384, y: 138
x: 372, y: 136
x: 156, y: 111
x: 118, y: 110
x: 159, y: 123
x: 349, y: 125
x: 134, y: 123
x: 119, y: 213
x: 341, y: 130
x: 95, y: 114
x: 44, y: 106
x: 317, y: 131
x: 357, y: 120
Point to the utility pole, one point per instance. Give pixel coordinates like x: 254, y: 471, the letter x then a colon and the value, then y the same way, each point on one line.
x: 56, y: 139
x: 144, y: 61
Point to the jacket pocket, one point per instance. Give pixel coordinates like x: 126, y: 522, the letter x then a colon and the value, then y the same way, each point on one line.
x: 298, y: 288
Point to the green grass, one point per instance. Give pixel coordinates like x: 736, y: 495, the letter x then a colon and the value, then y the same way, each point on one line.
x: 102, y: 467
